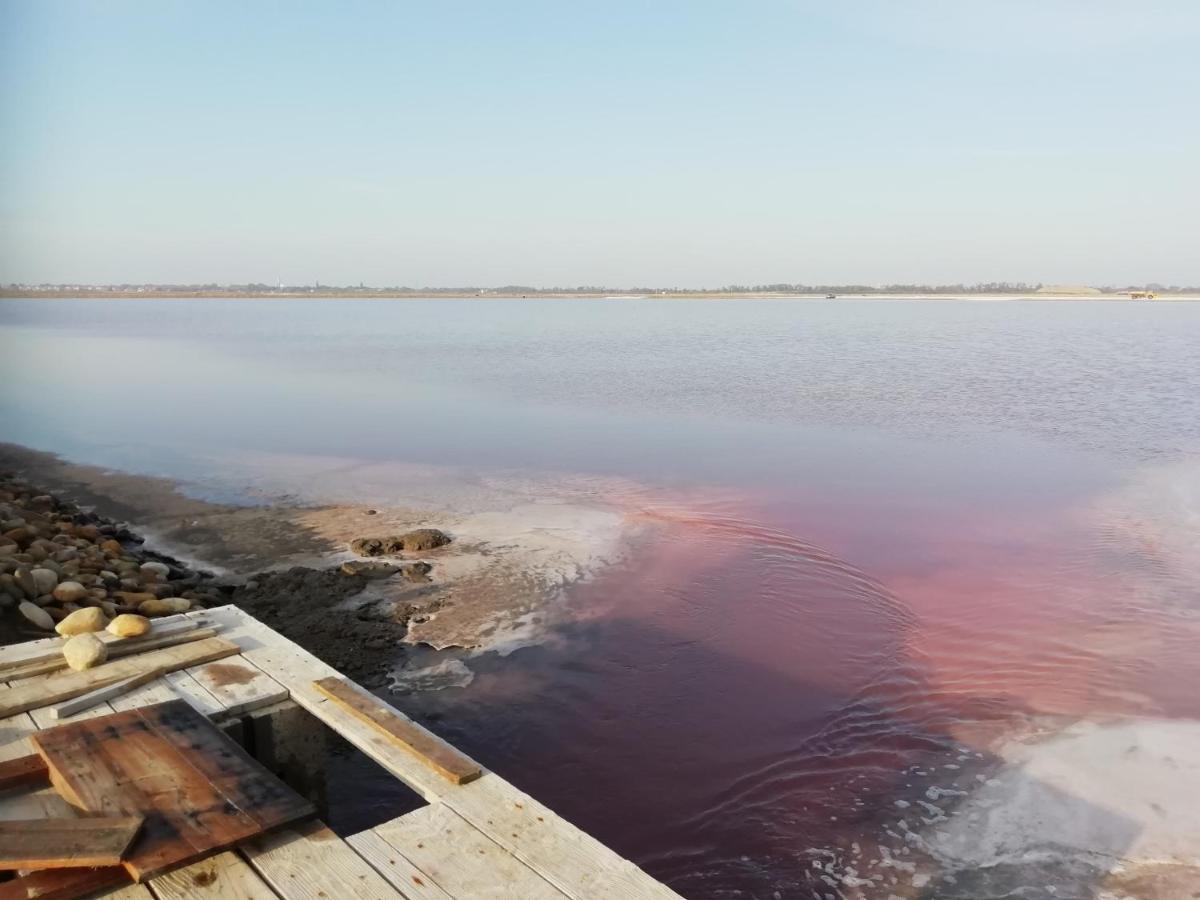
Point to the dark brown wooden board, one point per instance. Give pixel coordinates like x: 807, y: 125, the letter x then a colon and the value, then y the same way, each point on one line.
x: 199, y: 791
x: 63, y: 884
x: 66, y: 843
x: 447, y: 761
x: 24, y: 771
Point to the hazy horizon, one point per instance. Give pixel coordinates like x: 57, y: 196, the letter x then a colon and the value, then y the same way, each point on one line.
x: 607, y: 144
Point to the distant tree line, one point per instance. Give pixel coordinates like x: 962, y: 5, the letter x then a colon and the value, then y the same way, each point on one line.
x: 212, y: 288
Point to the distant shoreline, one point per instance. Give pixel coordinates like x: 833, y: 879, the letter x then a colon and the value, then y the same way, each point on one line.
x: 550, y: 295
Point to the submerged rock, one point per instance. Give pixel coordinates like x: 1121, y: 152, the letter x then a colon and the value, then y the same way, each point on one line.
x: 417, y: 572
x: 423, y: 539
x: 416, y: 541
x: 369, y: 569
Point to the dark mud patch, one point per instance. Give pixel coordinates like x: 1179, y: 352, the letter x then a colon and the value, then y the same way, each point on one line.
x: 308, y: 606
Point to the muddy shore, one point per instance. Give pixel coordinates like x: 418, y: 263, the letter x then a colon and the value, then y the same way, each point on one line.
x: 322, y: 575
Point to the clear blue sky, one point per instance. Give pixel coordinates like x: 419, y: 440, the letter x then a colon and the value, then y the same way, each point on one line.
x: 676, y: 143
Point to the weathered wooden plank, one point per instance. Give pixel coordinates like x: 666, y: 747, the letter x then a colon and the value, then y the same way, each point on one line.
x: 461, y: 859
x: 24, y: 772
x: 29, y: 804
x: 13, y: 654
x: 239, y: 685
x: 199, y: 791
x: 183, y: 684
x: 66, y: 843
x: 226, y: 766
x: 147, y: 695
x: 62, y: 884
x: 52, y: 689
x: 51, y: 660
x: 431, y: 750
x: 310, y: 862
x: 43, y: 719
x: 225, y: 876
x: 103, y: 695
x: 126, y: 892
x: 576, y: 863
x: 458, y: 857
x: 397, y: 868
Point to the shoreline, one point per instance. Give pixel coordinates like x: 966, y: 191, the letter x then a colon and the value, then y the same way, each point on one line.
x: 563, y: 295
x: 379, y: 618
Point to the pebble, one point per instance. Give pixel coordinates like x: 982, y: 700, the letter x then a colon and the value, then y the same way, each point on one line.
x: 83, y: 621
x: 133, y: 598
x: 84, y: 651
x: 24, y: 579
x: 155, y: 569
x: 70, y: 592
x: 165, y: 607
x: 21, y: 536
x: 127, y: 625
x: 36, y: 615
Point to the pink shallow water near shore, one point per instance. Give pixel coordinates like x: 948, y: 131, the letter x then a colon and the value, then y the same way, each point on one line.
x: 740, y: 700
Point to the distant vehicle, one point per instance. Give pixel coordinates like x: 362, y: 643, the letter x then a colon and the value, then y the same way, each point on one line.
x: 1142, y: 295
x: 831, y: 296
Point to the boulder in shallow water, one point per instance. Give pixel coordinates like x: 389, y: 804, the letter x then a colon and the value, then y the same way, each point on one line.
x: 417, y: 541
x: 70, y: 592
x: 369, y: 569
x: 82, y: 621
x: 168, y: 606
x: 36, y: 615
x: 417, y: 572
x: 128, y: 625
x: 367, y: 546
x: 84, y: 651
x: 423, y: 539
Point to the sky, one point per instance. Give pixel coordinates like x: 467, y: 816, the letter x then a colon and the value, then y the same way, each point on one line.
x: 655, y: 143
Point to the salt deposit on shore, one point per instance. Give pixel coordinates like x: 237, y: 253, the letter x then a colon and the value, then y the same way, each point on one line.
x: 491, y: 589
x: 1095, y: 807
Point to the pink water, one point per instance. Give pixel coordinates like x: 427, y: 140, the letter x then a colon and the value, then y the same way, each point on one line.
x: 872, y: 539
x: 758, y: 686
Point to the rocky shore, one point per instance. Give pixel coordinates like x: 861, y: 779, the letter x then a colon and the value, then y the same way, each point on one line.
x: 57, y: 557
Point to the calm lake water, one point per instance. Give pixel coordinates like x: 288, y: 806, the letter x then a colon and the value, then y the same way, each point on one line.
x: 879, y: 534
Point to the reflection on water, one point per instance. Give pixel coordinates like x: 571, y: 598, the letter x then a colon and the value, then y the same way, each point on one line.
x: 872, y: 537
x: 741, y: 704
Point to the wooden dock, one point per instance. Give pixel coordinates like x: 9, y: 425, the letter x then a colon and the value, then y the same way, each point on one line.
x: 477, y: 837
